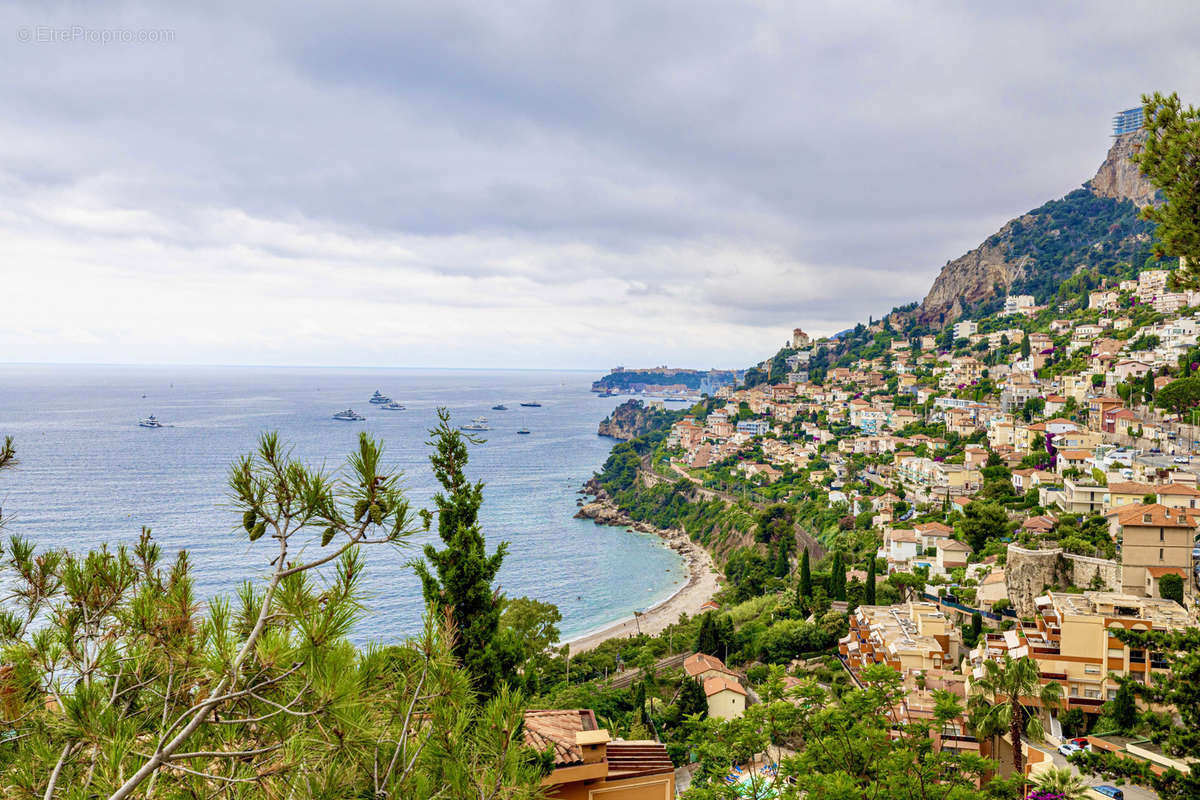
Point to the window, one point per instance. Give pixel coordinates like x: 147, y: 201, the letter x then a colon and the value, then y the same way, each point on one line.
x: 1160, y: 554
x: 1162, y: 535
x: 1091, y: 669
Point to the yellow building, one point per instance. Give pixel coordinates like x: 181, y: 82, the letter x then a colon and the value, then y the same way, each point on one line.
x: 726, y: 697
x: 1156, y: 539
x: 588, y: 765
x: 1072, y: 644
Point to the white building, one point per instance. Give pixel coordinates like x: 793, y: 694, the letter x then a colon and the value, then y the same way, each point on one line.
x: 964, y: 329
x: 1018, y: 304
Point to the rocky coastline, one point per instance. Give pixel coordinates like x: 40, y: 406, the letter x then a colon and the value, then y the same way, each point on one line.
x: 702, y: 583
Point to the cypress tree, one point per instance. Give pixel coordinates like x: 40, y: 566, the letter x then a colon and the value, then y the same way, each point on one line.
x: 706, y: 638
x: 780, y: 569
x: 461, y: 591
x: 805, y: 586
x: 692, y: 699
x: 639, y: 700
x: 837, y: 578
x: 1025, y: 346
x: 869, y: 596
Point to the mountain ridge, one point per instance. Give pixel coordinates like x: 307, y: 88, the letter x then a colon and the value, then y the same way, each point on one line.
x: 994, y: 267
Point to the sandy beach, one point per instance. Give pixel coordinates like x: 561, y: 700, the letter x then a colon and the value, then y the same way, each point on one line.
x: 701, y: 586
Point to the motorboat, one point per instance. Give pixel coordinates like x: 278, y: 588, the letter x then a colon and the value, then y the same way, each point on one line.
x: 523, y: 432
x: 392, y: 406
x: 150, y: 422
x: 349, y: 415
x: 380, y: 399
x: 500, y: 407
x: 532, y: 404
x: 474, y: 426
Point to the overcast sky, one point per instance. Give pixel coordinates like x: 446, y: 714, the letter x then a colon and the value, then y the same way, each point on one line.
x: 527, y: 184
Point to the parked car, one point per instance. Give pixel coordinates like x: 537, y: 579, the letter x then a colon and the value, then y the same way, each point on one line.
x: 1083, y: 742
x: 1104, y: 790
x: 1181, y: 459
x: 1069, y: 749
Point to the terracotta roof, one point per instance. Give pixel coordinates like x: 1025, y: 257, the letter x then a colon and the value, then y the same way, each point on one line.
x: 1131, y: 487
x: 1158, y: 572
x: 697, y: 663
x: 954, y: 544
x: 714, y: 685
x: 1061, y: 421
x: 1075, y: 455
x: 995, y: 576
x: 558, y: 728
x: 927, y: 528
x: 1178, y: 489
x: 897, y: 535
x: 1160, y: 516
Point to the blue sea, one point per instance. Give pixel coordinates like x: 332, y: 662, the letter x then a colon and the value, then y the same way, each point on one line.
x: 88, y: 474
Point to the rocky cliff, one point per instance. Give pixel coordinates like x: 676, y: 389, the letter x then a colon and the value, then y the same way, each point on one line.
x: 1019, y: 254
x: 628, y: 420
x: 974, y: 277
x: 1119, y: 178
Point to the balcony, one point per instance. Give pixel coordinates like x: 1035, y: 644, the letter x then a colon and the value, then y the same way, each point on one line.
x: 1086, y: 702
x: 1053, y: 676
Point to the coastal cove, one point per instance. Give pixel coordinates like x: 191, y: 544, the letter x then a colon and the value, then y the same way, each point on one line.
x: 88, y: 474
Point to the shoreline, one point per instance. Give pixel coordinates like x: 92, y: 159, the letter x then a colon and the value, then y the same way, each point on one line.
x: 701, y: 585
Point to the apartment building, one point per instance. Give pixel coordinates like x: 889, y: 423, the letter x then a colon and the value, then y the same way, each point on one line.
x: 964, y: 329
x: 907, y: 637
x: 1156, y: 540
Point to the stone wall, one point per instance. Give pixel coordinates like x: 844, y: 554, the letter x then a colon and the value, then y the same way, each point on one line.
x: 1028, y: 572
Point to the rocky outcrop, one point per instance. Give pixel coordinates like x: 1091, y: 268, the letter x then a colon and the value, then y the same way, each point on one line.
x: 974, y: 277
x: 1119, y: 178
x: 1027, y: 573
x: 990, y: 269
x: 628, y: 421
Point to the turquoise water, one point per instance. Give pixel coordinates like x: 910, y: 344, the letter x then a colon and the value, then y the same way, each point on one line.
x: 88, y: 474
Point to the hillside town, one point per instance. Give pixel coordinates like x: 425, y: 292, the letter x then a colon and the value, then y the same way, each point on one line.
x: 1032, y: 469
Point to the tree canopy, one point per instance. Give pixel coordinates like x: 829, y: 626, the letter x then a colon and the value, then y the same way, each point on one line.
x: 1170, y: 158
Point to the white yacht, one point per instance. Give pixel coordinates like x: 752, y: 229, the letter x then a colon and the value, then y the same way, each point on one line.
x: 380, y: 399
x: 150, y: 422
x: 477, y: 424
x: 349, y: 415
x: 392, y: 405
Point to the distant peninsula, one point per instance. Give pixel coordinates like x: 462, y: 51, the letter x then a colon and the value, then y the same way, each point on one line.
x: 666, y: 379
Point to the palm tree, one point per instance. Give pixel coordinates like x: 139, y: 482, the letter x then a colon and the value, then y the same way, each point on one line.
x: 1062, y: 782
x: 997, y: 701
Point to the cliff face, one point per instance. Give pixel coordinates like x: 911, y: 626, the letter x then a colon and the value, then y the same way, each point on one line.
x: 974, y: 277
x: 1119, y: 178
x: 1013, y: 254
x: 628, y: 420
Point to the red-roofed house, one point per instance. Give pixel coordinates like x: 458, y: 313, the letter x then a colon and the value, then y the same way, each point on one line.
x: 726, y: 698
x: 1156, y: 540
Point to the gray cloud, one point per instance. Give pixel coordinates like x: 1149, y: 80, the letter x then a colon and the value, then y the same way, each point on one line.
x: 593, y: 176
